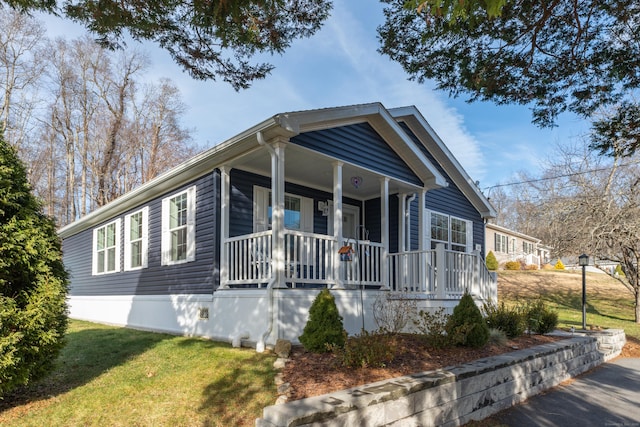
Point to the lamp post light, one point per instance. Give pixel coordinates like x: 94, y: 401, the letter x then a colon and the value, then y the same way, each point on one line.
x: 583, y: 260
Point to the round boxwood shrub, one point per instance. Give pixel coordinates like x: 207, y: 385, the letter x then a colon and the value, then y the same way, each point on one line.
x: 512, y: 265
x: 491, y: 261
x: 324, y: 327
x: 466, y: 326
x: 33, y: 281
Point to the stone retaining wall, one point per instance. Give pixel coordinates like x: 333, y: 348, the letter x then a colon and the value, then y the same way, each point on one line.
x: 455, y: 395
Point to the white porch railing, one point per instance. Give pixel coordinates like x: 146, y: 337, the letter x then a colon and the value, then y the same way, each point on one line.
x: 441, y: 274
x: 309, y: 262
x: 364, y: 268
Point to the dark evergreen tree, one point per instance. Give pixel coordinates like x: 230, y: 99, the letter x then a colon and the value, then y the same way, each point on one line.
x: 324, y: 326
x: 33, y: 281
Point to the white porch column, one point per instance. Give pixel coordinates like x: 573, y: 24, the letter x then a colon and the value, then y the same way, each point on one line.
x: 225, y: 187
x: 277, y: 214
x: 441, y: 274
x: 337, y: 223
x: 423, y: 229
x: 384, y: 230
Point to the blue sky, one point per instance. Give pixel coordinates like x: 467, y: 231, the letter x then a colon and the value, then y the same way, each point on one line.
x: 340, y: 65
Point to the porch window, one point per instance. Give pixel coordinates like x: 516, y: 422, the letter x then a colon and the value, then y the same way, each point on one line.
x: 455, y: 233
x: 178, y: 227
x: 136, y: 240
x: 106, y: 248
x: 298, y: 211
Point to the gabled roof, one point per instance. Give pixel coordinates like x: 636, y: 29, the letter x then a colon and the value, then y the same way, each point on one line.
x: 288, y: 125
x: 427, y: 136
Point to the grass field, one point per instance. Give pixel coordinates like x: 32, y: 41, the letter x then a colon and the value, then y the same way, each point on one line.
x: 609, y: 303
x: 108, y: 376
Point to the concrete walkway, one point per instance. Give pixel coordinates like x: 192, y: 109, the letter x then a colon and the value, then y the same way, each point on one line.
x: 608, y: 396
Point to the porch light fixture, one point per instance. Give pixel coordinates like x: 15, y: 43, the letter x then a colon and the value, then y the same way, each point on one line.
x: 583, y: 261
x: 356, y: 181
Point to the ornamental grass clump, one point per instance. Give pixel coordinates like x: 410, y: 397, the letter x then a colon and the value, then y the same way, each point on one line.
x: 325, y: 326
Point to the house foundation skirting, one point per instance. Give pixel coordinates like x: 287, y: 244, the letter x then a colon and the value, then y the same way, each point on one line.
x: 233, y: 314
x: 452, y: 396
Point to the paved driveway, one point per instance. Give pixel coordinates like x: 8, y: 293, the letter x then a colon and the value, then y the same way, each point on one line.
x: 609, y: 396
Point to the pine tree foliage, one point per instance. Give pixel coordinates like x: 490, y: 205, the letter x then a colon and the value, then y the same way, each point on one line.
x: 577, y: 56
x: 33, y: 281
x: 324, y: 327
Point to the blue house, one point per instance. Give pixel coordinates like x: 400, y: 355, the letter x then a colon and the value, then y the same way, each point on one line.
x: 235, y: 243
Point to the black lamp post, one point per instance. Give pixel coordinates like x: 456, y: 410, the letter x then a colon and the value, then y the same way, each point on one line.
x: 583, y: 260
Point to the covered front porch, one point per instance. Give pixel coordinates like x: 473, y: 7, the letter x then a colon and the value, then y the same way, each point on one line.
x: 364, y: 229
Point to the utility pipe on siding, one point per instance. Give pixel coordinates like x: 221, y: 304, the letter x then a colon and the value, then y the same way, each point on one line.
x: 260, y: 345
x: 407, y: 212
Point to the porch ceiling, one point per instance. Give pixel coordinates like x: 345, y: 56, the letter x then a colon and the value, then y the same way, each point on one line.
x: 312, y: 169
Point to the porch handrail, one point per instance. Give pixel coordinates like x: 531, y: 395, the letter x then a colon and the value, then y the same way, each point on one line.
x: 468, y: 272
x: 365, y: 268
x: 413, y: 272
x: 249, y: 259
x: 309, y: 258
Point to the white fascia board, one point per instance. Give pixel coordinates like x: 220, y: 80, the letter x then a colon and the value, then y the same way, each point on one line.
x: 379, y: 118
x: 193, y: 168
x: 425, y: 133
x: 513, y: 233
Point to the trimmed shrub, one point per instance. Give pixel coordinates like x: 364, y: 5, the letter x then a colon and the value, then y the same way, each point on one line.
x: 559, y: 265
x: 530, y: 267
x: 466, y: 326
x: 512, y: 265
x: 509, y: 320
x: 433, y: 327
x: 547, y: 266
x: 33, y: 281
x: 619, y: 271
x: 366, y: 350
x: 540, y: 319
x: 491, y: 261
x: 324, y: 327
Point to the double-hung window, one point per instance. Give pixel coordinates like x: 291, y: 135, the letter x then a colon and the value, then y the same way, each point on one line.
x: 136, y: 239
x: 178, y: 227
x: 455, y: 233
x: 501, y: 243
x: 106, y: 248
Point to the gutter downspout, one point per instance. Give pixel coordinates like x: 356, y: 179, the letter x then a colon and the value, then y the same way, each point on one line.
x: 407, y: 213
x: 260, y: 345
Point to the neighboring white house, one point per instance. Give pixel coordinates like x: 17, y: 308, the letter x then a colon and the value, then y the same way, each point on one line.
x: 509, y: 245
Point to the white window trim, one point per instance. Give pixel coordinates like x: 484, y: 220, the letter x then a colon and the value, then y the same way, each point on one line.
x: 94, y: 262
x: 191, y: 227
x: 261, y: 210
x: 469, y: 230
x: 145, y: 240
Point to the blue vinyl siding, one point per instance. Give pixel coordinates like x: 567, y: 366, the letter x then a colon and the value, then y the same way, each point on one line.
x: 197, y: 277
x: 449, y: 200
x: 360, y: 145
x: 242, y: 183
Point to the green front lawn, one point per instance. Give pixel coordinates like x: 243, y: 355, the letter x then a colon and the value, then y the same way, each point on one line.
x: 109, y: 376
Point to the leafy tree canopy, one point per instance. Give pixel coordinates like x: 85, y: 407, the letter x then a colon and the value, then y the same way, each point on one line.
x: 556, y: 56
x: 208, y: 38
